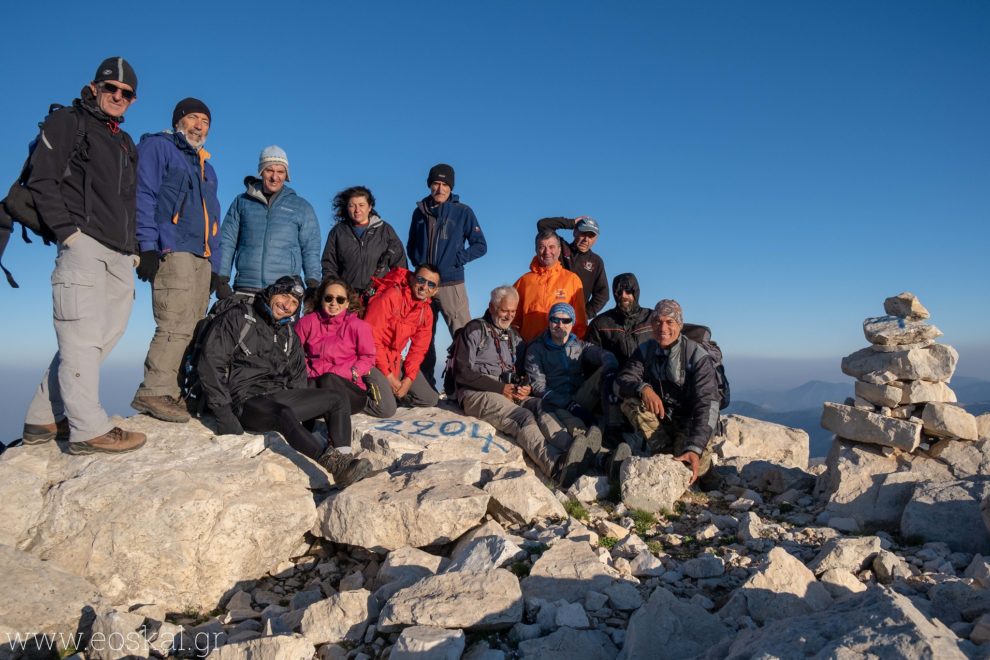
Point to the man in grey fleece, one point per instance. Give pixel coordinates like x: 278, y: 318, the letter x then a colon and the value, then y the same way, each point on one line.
x: 486, y: 356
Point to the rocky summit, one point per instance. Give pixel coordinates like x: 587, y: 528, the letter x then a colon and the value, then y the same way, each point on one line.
x: 238, y: 548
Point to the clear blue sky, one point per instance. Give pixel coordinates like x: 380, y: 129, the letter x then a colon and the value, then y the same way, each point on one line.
x: 778, y: 167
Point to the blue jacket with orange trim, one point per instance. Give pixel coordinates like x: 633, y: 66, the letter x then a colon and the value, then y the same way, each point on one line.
x: 177, y: 205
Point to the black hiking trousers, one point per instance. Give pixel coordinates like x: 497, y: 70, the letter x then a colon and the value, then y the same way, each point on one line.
x: 286, y: 410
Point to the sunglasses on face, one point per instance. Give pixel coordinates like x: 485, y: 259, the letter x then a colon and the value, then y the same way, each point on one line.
x: 422, y: 280
x: 340, y: 300
x: 110, y: 88
x: 629, y: 291
x: 556, y: 320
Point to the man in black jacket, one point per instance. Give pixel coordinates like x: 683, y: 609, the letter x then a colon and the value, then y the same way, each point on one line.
x: 623, y: 328
x: 82, y: 179
x: 253, y: 372
x: 580, y: 260
x: 671, y: 393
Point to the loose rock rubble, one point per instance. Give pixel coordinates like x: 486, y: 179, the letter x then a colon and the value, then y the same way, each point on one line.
x: 469, y: 554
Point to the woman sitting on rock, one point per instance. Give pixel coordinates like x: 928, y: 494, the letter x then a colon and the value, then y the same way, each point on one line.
x: 253, y: 373
x: 340, y: 350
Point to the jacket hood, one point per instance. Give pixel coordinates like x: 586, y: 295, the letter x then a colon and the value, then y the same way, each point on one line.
x: 626, y: 281
x: 536, y: 267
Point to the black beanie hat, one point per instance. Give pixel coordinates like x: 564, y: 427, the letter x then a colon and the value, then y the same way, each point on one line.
x: 118, y: 70
x: 442, y: 172
x: 186, y: 106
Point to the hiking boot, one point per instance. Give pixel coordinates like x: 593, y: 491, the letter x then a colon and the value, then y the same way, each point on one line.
x: 164, y: 408
x: 114, y: 441
x: 575, y: 462
x: 595, y: 439
x: 345, y: 469
x: 36, y: 434
x: 621, y: 453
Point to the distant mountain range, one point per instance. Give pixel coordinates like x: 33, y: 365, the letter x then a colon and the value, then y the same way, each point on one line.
x: 801, y: 407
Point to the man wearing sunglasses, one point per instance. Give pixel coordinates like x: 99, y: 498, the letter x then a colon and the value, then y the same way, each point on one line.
x: 82, y: 178
x: 579, y: 258
x: 178, y: 222
x: 569, y: 377
x: 623, y: 328
x: 401, y: 315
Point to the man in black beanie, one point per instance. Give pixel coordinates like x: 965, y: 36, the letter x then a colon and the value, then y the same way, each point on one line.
x: 82, y: 179
x: 446, y: 233
x: 178, y: 221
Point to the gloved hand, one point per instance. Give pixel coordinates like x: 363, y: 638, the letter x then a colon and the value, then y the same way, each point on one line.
x: 581, y: 413
x: 221, y: 286
x: 227, y: 422
x: 310, y: 294
x: 148, y: 266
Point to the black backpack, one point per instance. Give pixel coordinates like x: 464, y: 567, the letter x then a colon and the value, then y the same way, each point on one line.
x: 701, y: 334
x: 191, y: 389
x: 18, y: 206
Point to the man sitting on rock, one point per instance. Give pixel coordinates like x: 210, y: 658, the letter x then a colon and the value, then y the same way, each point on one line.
x: 253, y: 373
x: 670, y: 394
x: 557, y: 364
x: 487, y: 365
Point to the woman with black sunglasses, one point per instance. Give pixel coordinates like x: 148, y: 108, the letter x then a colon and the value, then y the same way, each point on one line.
x: 340, y: 349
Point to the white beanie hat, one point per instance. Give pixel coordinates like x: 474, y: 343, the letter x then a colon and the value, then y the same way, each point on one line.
x: 273, y: 155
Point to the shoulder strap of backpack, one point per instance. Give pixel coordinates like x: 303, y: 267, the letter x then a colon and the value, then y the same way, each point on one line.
x: 249, y: 315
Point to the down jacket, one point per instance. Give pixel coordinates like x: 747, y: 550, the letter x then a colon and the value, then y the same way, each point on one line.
x: 437, y: 235
x: 273, y: 360
x: 341, y: 345
x: 620, y: 332
x: 557, y: 372
x: 684, y: 378
x: 177, y: 205
x: 483, y: 353
x: 542, y: 288
x: 268, y: 239
x: 397, y: 319
x: 356, y: 260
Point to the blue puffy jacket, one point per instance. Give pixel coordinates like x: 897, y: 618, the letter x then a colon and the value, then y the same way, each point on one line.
x: 177, y: 205
x: 437, y: 235
x: 269, y: 239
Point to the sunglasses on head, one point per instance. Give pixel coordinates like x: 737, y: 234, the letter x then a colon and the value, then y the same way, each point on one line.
x: 110, y: 88
x: 557, y: 320
x: 340, y: 300
x: 422, y: 280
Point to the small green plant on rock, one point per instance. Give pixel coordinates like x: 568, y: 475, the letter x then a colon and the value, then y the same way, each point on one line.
x: 575, y: 509
x: 655, y: 547
x: 607, y: 542
x: 642, y: 520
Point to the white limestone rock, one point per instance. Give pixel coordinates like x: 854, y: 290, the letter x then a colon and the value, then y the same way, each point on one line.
x: 888, y: 394
x: 589, y: 488
x: 862, y: 426
x: 671, y: 628
x: 518, y: 497
x: 407, y: 563
x: 936, y: 363
x: 567, y: 570
x: 433, y: 435
x: 983, y: 426
x: 418, y: 642
x: 747, y: 439
x: 924, y: 391
x: 888, y: 567
x: 624, y: 596
x: 949, y: 512
x: 645, y: 564
x: 470, y: 601
x: 907, y: 306
x: 896, y: 331
x: 784, y: 584
x: 176, y: 523
x: 42, y: 598
x: 484, y: 554
x: 979, y: 571
x: 877, y: 623
x: 704, y: 566
x: 654, y: 483
x: 342, y: 617
x: 851, y: 554
x: 945, y: 420
x: 840, y: 582
x: 568, y: 644
x: 279, y: 647
x: 416, y: 508
x: 116, y: 635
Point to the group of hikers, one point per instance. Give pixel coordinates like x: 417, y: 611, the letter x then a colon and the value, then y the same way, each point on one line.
x: 302, y: 334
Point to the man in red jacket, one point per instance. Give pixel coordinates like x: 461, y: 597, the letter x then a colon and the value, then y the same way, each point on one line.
x: 398, y: 316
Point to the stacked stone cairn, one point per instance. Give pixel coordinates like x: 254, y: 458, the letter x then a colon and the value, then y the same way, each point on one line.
x: 906, y: 458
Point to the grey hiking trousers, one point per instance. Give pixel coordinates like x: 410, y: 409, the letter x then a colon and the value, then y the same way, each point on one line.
x: 92, y: 296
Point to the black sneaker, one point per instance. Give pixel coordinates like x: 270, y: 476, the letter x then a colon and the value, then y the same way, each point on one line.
x: 615, y: 459
x: 344, y: 468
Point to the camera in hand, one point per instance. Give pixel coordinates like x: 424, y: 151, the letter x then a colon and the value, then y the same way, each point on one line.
x: 517, y: 379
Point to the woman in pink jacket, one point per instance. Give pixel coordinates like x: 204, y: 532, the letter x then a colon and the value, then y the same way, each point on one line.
x: 340, y: 349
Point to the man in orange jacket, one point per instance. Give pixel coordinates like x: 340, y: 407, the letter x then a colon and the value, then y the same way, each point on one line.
x: 398, y: 316
x: 546, y: 284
